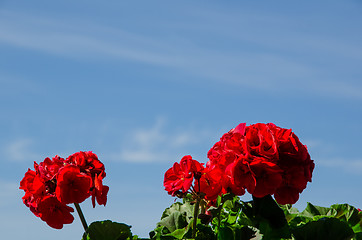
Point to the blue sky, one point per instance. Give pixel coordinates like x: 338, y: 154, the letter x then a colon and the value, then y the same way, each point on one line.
x: 142, y: 83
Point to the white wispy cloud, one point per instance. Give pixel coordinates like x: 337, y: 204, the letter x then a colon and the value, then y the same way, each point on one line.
x: 348, y: 165
x: 270, y: 70
x: 157, y: 144
x: 20, y: 150
x: 79, y: 40
x: 328, y: 155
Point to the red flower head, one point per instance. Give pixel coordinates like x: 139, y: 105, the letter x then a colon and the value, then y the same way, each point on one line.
x: 229, y: 184
x: 264, y: 159
x: 210, y: 183
x: 242, y: 174
x: 291, y: 150
x: 179, y: 178
x: 229, y: 148
x: 32, y: 183
x: 268, y: 177
x: 296, y: 163
x: 260, y: 142
x: 35, y: 189
x: 72, y: 185
x: 57, y: 182
x: 55, y: 213
x: 88, y: 162
x: 49, y: 168
x: 234, y: 139
x: 99, y: 192
x: 216, y: 181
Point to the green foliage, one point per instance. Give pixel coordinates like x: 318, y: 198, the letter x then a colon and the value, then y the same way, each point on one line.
x: 175, y: 222
x: 262, y: 218
x: 230, y: 222
x: 340, y: 221
x: 108, y: 230
x: 324, y: 228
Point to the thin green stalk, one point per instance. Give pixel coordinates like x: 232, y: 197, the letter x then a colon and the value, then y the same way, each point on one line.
x: 203, y: 207
x: 219, y: 216
x: 196, y: 213
x: 81, y: 216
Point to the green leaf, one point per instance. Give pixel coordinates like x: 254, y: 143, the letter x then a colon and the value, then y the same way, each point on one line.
x: 244, y: 233
x: 225, y: 233
x: 185, y: 208
x: 313, y: 211
x: 174, y: 221
x: 218, y: 200
x: 298, y: 221
x: 177, y: 216
x: 350, y: 215
x: 269, y: 232
x: 358, y: 236
x: 205, y: 232
x: 228, y: 196
x: 268, y: 209
x: 343, y: 212
x: 107, y: 230
x: 178, y: 233
x: 325, y: 228
x: 246, y: 215
x: 161, y: 233
x: 244, y: 220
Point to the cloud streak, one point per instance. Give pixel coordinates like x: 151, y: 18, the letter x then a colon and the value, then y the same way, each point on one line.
x: 156, y: 144
x: 76, y: 40
x: 353, y: 166
x: 20, y: 150
x: 270, y: 70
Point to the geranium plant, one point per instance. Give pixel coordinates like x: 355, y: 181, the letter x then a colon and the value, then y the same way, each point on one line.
x: 267, y: 161
x: 263, y: 160
x: 57, y: 182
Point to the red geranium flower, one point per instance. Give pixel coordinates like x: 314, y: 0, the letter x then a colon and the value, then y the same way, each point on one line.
x: 243, y: 175
x: 260, y: 141
x: 34, y: 188
x: 179, y: 178
x: 290, y: 149
x: 264, y: 159
x: 268, y: 177
x: 286, y: 195
x: 28, y: 185
x: 234, y: 140
x: 72, y: 185
x: 55, y: 213
x: 49, y: 167
x: 210, y: 183
x: 99, y: 192
x: 229, y: 184
x: 216, y: 181
x: 88, y: 162
x: 57, y: 182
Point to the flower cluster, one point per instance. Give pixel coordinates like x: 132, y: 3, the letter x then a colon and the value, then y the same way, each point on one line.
x: 56, y: 182
x: 263, y: 159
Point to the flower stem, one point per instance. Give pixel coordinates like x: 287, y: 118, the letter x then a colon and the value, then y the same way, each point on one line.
x: 219, y: 217
x: 196, y: 213
x: 203, y: 208
x: 81, y: 216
